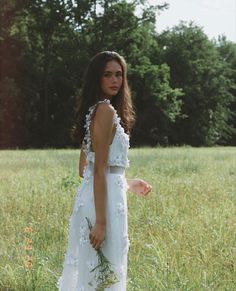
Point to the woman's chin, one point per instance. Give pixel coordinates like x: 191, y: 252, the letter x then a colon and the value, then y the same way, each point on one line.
x: 110, y: 94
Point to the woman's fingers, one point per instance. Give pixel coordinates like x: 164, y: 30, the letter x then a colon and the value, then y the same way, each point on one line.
x: 141, y: 187
x: 147, y: 189
x: 93, y: 240
x: 91, y: 237
x: 97, y: 236
x: 96, y: 243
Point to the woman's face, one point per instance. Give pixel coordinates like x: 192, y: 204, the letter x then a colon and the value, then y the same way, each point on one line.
x: 112, y: 78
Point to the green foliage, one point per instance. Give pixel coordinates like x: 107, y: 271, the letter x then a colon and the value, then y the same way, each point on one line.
x: 183, y: 84
x: 69, y: 181
x: 196, y: 67
x: 227, y: 51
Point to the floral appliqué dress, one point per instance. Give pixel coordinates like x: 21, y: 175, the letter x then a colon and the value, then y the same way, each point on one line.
x: 80, y: 257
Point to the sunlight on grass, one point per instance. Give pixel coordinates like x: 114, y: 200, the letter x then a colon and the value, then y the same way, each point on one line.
x: 182, y: 235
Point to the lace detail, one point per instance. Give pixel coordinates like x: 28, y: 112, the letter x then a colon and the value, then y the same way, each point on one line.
x: 71, y: 260
x: 86, y: 144
x: 122, y: 183
x: 120, y: 209
x: 81, y: 288
x: 79, y: 203
x: 125, y: 245
x: 87, y: 174
x: 91, y: 264
x: 84, y: 234
x: 118, y: 148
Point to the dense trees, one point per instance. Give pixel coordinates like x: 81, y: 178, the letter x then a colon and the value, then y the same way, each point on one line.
x: 183, y: 84
x: 205, y: 78
x: 227, y: 51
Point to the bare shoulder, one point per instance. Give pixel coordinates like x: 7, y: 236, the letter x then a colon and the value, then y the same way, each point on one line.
x: 104, y: 112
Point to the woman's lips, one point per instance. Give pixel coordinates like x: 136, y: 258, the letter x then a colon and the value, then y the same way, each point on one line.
x: 114, y: 88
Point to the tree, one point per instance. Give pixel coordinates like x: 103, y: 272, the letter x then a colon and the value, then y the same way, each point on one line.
x: 196, y: 66
x: 227, y: 50
x: 133, y: 36
x: 12, y: 100
x: 182, y: 83
x: 50, y: 59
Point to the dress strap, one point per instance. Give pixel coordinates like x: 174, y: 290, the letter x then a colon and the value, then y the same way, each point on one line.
x: 104, y: 101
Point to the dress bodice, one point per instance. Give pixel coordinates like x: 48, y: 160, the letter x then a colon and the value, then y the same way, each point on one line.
x: 118, y: 149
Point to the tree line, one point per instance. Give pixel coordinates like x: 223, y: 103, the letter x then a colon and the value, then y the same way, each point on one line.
x: 183, y: 84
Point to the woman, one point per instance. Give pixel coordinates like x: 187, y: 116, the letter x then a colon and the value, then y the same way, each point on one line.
x: 104, y: 121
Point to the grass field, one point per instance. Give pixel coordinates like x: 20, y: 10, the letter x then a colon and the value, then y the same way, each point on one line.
x: 183, y: 235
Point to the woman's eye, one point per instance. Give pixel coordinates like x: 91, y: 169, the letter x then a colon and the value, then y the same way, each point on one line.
x: 119, y: 74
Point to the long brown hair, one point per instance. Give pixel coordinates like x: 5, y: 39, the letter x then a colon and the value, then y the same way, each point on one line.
x: 91, y: 94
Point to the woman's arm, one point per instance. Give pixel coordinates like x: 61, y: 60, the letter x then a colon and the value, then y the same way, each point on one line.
x: 101, y: 139
x: 102, y: 132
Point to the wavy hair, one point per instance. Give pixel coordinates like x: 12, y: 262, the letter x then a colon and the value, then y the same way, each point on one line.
x: 92, y: 93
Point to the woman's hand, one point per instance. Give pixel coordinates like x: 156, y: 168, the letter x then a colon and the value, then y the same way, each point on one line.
x: 97, y: 235
x: 139, y: 187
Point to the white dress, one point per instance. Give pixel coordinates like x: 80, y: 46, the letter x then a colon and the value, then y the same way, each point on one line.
x: 81, y: 257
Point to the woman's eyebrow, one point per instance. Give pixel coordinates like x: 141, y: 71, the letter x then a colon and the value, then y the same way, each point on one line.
x: 112, y: 72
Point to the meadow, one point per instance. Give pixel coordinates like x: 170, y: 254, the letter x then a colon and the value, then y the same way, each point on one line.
x: 183, y: 235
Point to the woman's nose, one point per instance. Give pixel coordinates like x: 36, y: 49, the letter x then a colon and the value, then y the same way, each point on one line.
x: 113, y: 78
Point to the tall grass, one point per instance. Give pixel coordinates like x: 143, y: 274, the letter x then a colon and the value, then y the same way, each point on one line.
x: 183, y: 235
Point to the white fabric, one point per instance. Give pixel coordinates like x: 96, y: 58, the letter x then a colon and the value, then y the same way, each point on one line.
x: 80, y: 257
